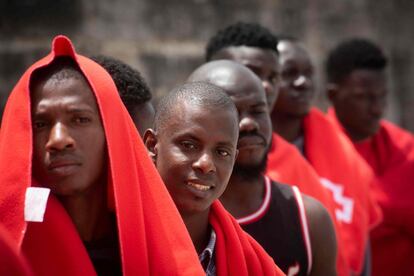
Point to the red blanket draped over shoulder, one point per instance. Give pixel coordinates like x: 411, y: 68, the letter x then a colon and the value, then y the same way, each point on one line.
x: 152, y: 236
x: 237, y: 253
x: 348, y: 177
x: 287, y: 165
x: 390, y: 153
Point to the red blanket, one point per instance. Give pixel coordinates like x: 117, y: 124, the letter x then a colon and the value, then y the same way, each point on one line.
x: 286, y: 164
x: 237, y: 253
x: 348, y: 176
x: 390, y: 153
x: 152, y: 236
x: 11, y: 261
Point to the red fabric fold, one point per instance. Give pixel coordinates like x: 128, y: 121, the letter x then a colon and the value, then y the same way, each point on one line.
x: 12, y: 263
x: 287, y: 165
x: 335, y: 160
x: 390, y: 153
x: 152, y: 236
x: 237, y: 253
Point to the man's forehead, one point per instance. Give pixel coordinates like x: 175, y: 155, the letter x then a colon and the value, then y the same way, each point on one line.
x: 184, y: 111
x: 243, y: 87
x: 199, y: 114
x: 249, y: 98
x: 368, y: 75
x: 249, y: 53
x: 69, y: 91
x: 290, y: 48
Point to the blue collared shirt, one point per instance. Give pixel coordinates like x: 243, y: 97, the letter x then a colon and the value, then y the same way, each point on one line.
x: 207, y: 256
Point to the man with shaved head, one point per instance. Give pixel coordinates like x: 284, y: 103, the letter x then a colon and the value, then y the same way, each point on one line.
x: 295, y: 229
x: 194, y: 147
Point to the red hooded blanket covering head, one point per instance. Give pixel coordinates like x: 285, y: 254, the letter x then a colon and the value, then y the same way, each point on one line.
x: 348, y: 177
x: 153, y: 239
x: 390, y: 153
x: 285, y: 164
x: 237, y: 253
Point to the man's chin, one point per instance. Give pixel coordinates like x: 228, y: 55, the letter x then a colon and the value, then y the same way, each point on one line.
x: 363, y: 133
x: 250, y: 170
x: 371, y: 129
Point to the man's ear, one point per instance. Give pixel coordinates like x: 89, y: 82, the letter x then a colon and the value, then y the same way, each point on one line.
x: 150, y: 141
x: 332, y: 90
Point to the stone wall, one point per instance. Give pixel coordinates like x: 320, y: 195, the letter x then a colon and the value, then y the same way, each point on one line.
x: 165, y: 39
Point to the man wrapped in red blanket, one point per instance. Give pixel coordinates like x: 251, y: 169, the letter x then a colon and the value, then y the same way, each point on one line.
x: 78, y: 193
x: 194, y: 147
x: 357, y: 89
x: 330, y: 153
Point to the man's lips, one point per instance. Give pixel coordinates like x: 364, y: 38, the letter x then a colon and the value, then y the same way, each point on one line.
x: 63, y: 167
x: 250, y: 140
x: 302, y: 97
x: 199, y: 185
x: 62, y: 163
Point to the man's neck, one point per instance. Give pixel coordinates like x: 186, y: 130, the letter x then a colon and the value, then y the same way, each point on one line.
x: 89, y: 213
x: 243, y: 196
x: 198, y: 228
x: 287, y: 126
x: 355, y: 136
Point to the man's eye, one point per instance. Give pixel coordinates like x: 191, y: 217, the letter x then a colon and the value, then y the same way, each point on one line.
x: 289, y: 73
x: 39, y: 125
x: 223, y: 153
x: 259, y: 111
x: 274, y: 79
x: 188, y: 145
x: 82, y: 120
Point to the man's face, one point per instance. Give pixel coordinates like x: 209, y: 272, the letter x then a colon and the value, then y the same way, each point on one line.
x: 360, y: 101
x: 69, y: 151
x: 254, y: 123
x: 296, y: 88
x: 264, y: 63
x: 143, y: 117
x: 195, y: 153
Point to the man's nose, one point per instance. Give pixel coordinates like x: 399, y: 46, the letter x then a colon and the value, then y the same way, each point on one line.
x: 302, y: 81
x: 59, y: 138
x: 248, y: 124
x: 205, y: 163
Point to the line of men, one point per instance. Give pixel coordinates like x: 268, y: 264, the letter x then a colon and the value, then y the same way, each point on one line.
x: 81, y: 194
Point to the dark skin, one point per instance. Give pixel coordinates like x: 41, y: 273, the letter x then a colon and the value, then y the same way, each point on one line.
x: 263, y: 62
x: 359, y: 101
x: 69, y: 151
x: 245, y: 195
x: 143, y: 117
x: 195, y: 156
x: 296, y: 90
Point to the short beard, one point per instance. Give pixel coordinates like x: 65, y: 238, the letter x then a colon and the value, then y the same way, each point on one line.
x: 250, y: 172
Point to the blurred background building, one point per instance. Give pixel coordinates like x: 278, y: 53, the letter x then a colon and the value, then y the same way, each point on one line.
x: 165, y: 39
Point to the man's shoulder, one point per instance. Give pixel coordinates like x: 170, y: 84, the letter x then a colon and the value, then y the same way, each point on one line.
x: 401, y: 138
x: 283, y: 188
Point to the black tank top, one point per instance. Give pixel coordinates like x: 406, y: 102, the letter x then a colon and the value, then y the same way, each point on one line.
x: 280, y: 226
